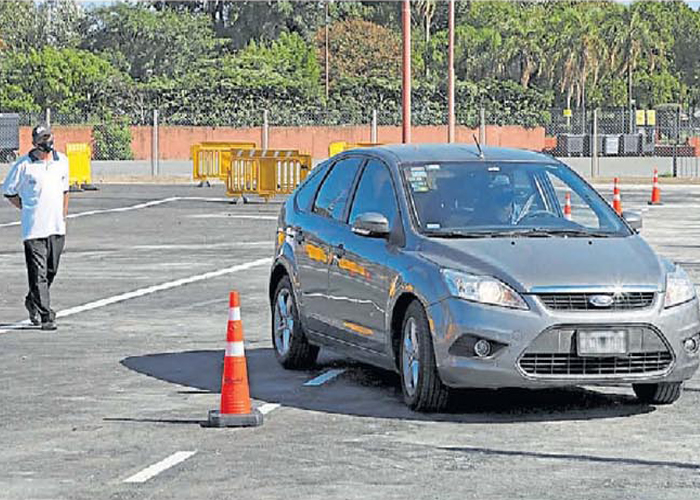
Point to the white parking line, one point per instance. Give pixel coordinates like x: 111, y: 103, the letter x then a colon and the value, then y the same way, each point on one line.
x: 157, y: 468
x: 230, y: 216
x: 268, y: 407
x: 324, y: 377
x: 147, y: 291
x: 138, y: 206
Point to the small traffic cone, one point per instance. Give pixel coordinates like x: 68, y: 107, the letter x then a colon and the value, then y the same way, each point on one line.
x: 235, y: 396
x: 567, y: 207
x: 617, y: 200
x: 655, y: 190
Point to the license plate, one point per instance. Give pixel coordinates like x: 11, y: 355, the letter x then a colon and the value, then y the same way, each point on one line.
x: 602, y: 343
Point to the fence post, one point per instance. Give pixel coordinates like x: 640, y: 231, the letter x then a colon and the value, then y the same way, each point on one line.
x: 154, y: 143
x: 265, y: 130
x: 47, y: 118
x: 594, y: 145
x: 482, y: 126
x: 373, y: 134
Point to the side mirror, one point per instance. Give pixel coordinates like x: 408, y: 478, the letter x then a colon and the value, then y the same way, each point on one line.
x: 633, y: 218
x: 371, y: 224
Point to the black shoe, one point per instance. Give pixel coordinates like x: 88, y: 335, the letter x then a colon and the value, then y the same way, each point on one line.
x: 33, y: 313
x: 49, y: 325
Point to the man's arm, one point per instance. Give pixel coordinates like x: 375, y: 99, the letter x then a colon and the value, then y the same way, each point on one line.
x: 10, y: 188
x: 66, y: 198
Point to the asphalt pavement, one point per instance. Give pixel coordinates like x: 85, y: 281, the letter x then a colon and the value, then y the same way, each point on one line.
x: 110, y: 405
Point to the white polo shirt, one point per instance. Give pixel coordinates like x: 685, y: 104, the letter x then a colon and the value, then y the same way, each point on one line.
x: 40, y: 184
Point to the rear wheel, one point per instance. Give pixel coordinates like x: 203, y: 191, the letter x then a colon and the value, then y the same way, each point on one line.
x: 422, y: 387
x: 664, y: 393
x: 292, y: 349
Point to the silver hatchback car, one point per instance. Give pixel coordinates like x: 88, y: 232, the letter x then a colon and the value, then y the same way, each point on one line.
x: 462, y: 268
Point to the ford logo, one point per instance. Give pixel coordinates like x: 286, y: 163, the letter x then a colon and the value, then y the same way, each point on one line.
x: 601, y: 300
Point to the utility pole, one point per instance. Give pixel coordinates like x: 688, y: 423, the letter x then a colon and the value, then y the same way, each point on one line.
x: 451, y: 76
x: 326, y: 53
x: 406, y: 18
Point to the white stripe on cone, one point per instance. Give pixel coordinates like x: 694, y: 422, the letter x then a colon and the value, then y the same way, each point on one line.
x: 235, y: 349
x: 234, y: 314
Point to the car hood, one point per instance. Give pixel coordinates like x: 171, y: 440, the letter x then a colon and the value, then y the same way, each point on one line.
x: 525, y: 263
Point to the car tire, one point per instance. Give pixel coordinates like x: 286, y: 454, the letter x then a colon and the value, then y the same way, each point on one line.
x: 423, y: 390
x: 664, y: 393
x: 292, y: 349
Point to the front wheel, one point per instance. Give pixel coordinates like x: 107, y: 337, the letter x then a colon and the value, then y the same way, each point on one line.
x: 664, y: 393
x: 292, y: 349
x: 423, y: 389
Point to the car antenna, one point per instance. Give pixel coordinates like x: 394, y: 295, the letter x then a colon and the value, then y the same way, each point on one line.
x: 481, y: 152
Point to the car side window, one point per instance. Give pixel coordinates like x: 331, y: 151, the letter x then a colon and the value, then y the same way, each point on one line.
x: 306, y: 192
x: 334, y: 192
x: 375, y: 193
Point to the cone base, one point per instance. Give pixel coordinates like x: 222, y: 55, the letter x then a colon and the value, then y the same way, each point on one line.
x: 218, y: 419
x: 654, y: 203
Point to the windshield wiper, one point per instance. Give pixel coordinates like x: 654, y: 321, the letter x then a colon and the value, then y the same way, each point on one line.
x: 458, y: 234
x: 543, y: 231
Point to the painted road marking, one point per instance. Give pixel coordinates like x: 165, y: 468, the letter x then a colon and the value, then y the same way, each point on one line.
x: 157, y: 468
x: 230, y: 216
x: 147, y: 291
x: 138, y: 206
x: 197, y: 246
x: 324, y: 377
x: 268, y: 407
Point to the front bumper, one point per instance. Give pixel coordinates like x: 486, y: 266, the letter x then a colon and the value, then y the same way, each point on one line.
x: 516, y: 331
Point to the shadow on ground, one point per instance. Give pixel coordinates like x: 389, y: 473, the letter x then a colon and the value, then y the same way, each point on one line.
x: 367, y: 391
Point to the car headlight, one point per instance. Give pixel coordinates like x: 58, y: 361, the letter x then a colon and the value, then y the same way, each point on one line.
x: 482, y: 289
x: 679, y: 288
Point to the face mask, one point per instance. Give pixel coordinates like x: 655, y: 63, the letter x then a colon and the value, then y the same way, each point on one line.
x: 45, y: 147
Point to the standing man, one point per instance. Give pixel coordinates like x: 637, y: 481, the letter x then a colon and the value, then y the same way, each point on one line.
x: 38, y: 185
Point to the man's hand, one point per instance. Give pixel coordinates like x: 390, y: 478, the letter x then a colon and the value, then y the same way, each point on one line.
x: 66, y: 198
x: 16, y: 201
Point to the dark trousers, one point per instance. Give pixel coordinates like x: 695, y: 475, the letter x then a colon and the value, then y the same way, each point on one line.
x: 42, y: 256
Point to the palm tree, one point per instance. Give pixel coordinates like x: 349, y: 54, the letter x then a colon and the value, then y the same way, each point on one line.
x: 631, y: 38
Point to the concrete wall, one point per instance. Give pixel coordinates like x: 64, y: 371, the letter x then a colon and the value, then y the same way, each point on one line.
x: 175, y: 141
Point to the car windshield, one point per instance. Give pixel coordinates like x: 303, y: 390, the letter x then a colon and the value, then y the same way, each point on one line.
x: 480, y: 199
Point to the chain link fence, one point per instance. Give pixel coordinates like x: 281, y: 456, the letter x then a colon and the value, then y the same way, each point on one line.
x: 667, y: 131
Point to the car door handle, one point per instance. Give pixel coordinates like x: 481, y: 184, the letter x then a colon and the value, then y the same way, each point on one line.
x: 339, y: 251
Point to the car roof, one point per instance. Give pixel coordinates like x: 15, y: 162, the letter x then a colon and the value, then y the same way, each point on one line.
x: 417, y: 153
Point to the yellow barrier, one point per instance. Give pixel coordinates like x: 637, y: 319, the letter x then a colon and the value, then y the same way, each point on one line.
x: 266, y: 173
x: 79, y: 157
x: 211, y: 160
x: 339, y: 146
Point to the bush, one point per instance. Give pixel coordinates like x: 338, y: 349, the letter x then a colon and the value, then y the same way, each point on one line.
x: 112, y: 141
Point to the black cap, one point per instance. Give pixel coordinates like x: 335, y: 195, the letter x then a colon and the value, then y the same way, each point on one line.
x: 41, y: 134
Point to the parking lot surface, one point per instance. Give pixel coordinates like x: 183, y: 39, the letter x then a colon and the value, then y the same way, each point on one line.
x: 130, y: 375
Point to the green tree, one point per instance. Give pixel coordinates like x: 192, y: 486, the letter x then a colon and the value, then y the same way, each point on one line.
x: 146, y: 43
x: 69, y: 81
x: 359, y: 47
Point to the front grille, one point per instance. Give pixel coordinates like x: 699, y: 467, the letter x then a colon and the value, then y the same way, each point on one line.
x: 572, y: 364
x: 581, y: 301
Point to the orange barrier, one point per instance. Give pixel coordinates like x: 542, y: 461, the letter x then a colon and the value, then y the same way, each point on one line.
x: 235, y: 410
x: 617, y: 199
x: 655, y: 190
x: 266, y: 173
x: 211, y: 160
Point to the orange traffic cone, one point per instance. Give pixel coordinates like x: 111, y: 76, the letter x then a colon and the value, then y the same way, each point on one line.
x: 617, y: 200
x: 235, y: 397
x: 655, y: 190
x: 567, y: 207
